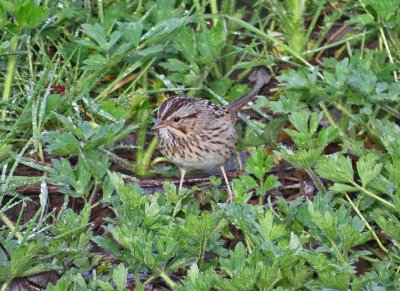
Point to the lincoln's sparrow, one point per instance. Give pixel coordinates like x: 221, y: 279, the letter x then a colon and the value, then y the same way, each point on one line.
x: 197, y: 134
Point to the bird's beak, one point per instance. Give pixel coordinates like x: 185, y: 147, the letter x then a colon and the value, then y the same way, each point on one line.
x: 158, y: 124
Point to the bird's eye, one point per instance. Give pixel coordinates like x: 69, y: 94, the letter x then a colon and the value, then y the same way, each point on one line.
x: 176, y: 119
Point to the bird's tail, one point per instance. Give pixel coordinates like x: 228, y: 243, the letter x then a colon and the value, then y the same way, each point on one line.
x: 261, y: 77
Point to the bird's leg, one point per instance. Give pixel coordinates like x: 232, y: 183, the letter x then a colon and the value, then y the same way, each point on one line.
x: 230, y: 194
x: 183, y: 172
x: 240, y: 162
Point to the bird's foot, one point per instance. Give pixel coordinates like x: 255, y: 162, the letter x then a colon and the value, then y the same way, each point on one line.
x: 230, y: 195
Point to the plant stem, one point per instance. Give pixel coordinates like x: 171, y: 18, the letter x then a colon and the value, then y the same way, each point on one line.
x: 93, y: 194
x: 4, y: 287
x: 317, y: 182
x: 158, y: 160
x: 121, y: 162
x: 355, y: 208
x: 167, y: 279
x: 214, y: 9
x: 149, y: 152
x: 151, y: 278
x: 101, y: 11
x: 340, y: 42
x: 370, y: 194
x: 274, y: 40
x: 328, y: 115
x: 202, y: 250
x: 248, y: 244
x: 10, y: 225
x: 388, y: 51
x: 200, y: 12
x: 10, y: 72
x: 371, y: 260
x: 337, y: 250
x: 316, y: 16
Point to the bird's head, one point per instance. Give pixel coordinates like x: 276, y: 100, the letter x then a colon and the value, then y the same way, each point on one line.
x: 177, y: 116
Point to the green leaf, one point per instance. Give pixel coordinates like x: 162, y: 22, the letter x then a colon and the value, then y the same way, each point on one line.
x: 259, y: 163
x: 236, y: 261
x: 119, y: 276
x: 108, y: 244
x: 95, y: 62
x: 63, y: 171
x: 362, y: 79
x: 351, y: 237
x: 368, y: 168
x: 393, y: 168
x: 29, y: 15
x: 221, y: 86
x: 272, y: 130
x: 335, y: 279
x: 131, y: 31
x: 362, y: 19
x: 105, y: 286
x: 185, y: 42
x: 96, y: 32
x: 114, y: 109
x: 88, y: 129
x: 106, y: 135
x: 218, y: 36
x: 249, y: 182
x: 306, y: 125
x: 269, y: 229
x: 163, y: 28
x: 326, y: 136
x: 241, y: 188
x: 4, y: 46
x: 384, y: 10
x: 83, y: 177
x: 94, y: 107
x: 99, y: 163
x: 209, y: 43
x: 304, y: 159
x: 389, y: 224
x: 3, y: 21
x: 300, y: 121
x: 196, y: 280
x: 131, y: 195
x: 236, y: 91
x: 339, y: 187
x: 199, y: 229
x: 175, y: 65
x: 77, y: 179
x: 204, y: 47
x: 270, y: 183
x: 336, y: 168
x: 326, y: 223
x: 390, y: 136
x: 69, y: 124
x: 288, y: 103
x: 301, y: 79
x: 115, y: 36
x: 60, y: 143
x: 5, y: 151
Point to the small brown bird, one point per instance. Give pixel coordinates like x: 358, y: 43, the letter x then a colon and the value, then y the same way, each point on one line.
x: 197, y: 134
